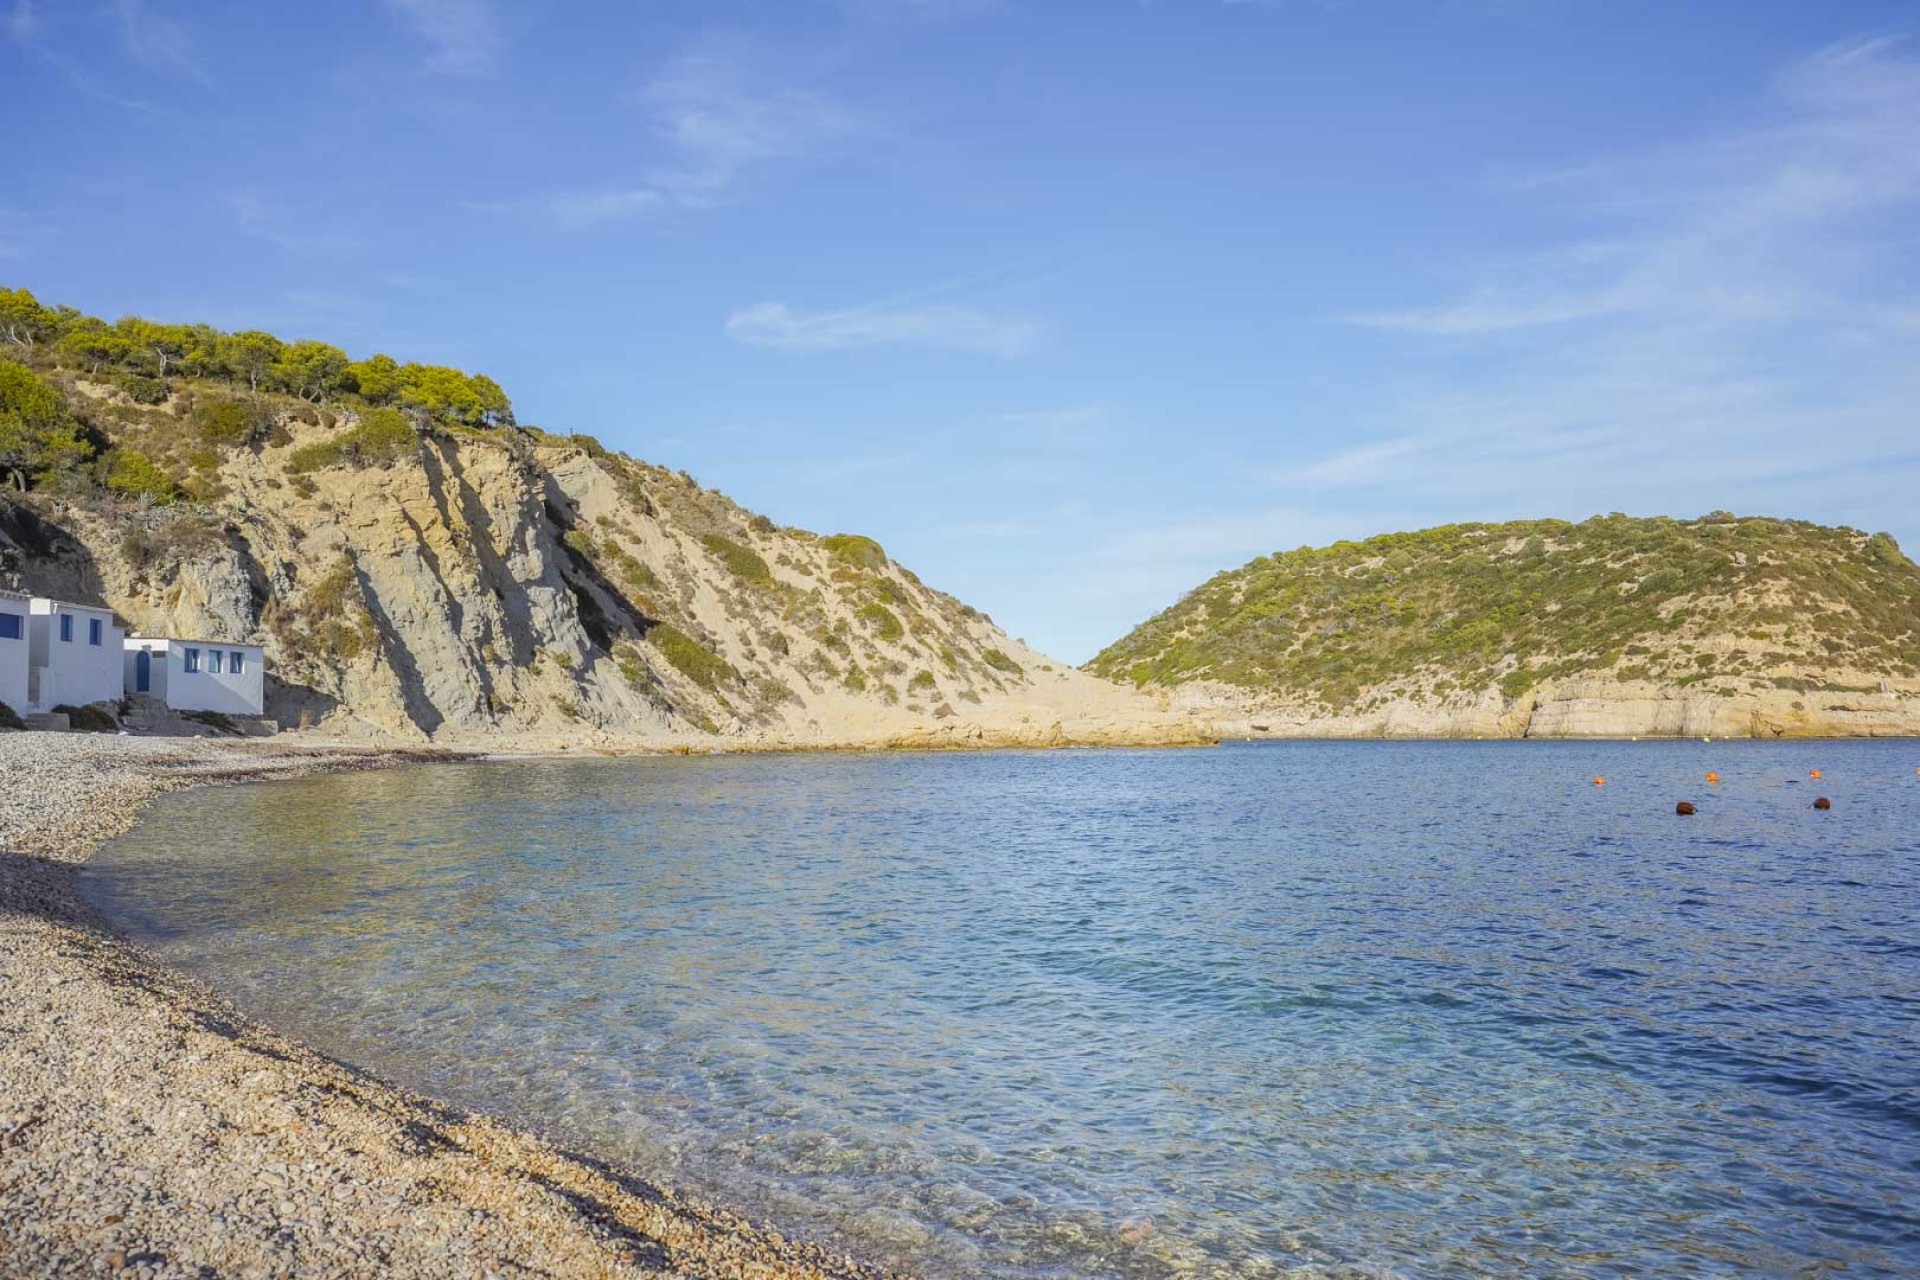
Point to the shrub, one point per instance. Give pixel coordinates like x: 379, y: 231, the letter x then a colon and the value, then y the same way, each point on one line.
x: 380, y: 437
x: 882, y: 621
x: 226, y: 423
x: 854, y: 550
x: 1001, y: 662
x: 134, y: 474
x: 89, y: 719
x: 689, y: 657
x: 143, y: 390
x: 10, y: 719
x: 743, y: 561
x: 922, y: 682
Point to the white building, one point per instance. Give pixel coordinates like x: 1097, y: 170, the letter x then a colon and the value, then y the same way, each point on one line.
x: 73, y: 655
x: 196, y: 675
x: 15, y: 626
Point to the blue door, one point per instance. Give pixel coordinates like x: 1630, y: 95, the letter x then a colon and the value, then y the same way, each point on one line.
x: 142, y: 671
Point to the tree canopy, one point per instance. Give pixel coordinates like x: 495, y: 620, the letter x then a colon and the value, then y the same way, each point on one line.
x: 135, y: 347
x: 37, y: 434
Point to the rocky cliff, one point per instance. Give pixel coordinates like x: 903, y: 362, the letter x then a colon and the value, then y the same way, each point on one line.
x: 505, y: 584
x: 1615, y: 627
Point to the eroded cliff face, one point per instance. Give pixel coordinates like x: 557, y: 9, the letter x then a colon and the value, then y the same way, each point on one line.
x: 1872, y: 708
x: 504, y: 585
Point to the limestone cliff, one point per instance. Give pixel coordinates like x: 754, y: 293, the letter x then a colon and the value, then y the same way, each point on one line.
x: 1724, y: 626
x: 511, y: 585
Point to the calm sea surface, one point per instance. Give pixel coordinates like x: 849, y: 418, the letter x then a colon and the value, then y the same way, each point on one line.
x: 1361, y: 1008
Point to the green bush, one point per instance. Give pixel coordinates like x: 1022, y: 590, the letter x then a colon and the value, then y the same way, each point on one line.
x: 689, y: 657
x: 10, y: 719
x: 743, y: 561
x: 89, y: 719
x: 143, y: 390
x: 999, y: 661
x: 380, y: 437
x: 854, y: 550
x: 882, y: 621
x: 922, y: 682
x: 134, y: 474
x: 226, y: 423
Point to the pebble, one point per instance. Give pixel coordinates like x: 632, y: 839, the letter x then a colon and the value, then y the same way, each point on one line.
x: 149, y: 1128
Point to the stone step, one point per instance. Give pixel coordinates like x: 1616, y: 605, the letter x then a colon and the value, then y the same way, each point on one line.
x: 48, y: 721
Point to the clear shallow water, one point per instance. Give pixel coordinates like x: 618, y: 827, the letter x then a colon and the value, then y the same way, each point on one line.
x: 1379, y: 1008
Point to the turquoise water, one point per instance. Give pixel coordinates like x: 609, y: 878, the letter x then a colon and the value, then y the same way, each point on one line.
x: 1361, y: 1008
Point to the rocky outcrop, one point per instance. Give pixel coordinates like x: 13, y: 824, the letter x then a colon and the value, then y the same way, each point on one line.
x: 514, y: 585
x: 1584, y: 709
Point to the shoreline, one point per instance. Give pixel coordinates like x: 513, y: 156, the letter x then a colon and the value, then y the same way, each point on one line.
x: 149, y: 1128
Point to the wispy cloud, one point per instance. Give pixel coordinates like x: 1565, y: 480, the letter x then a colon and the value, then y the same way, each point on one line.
x: 716, y: 120
x: 1357, y: 465
x: 722, y: 121
x: 29, y: 30
x: 462, y: 36
x: 775, y: 324
x: 1741, y: 333
x: 15, y: 233
x: 257, y: 216
x: 157, y: 42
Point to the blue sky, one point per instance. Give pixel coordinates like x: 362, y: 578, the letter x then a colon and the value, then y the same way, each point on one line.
x: 1069, y: 304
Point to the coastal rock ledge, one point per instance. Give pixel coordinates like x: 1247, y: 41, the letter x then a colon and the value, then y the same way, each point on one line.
x: 1584, y: 709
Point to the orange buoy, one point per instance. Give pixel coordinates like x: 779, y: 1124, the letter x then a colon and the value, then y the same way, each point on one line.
x: 1712, y: 777
x: 1684, y: 808
x: 1823, y: 803
x: 1599, y: 781
x: 1813, y: 773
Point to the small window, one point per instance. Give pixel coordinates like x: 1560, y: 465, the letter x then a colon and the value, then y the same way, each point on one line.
x: 192, y: 660
x: 66, y: 627
x: 9, y: 626
x: 236, y: 662
x: 93, y: 632
x: 213, y: 662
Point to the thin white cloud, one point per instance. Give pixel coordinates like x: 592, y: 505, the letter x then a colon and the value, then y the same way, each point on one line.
x: 25, y: 25
x: 579, y: 210
x: 257, y: 216
x: 716, y: 121
x: 1741, y: 337
x: 721, y: 120
x: 15, y: 232
x: 957, y: 328
x: 1352, y: 466
x: 157, y: 42
x: 462, y: 36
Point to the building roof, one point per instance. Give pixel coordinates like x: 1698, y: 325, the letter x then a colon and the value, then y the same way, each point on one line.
x: 230, y: 644
x: 70, y: 604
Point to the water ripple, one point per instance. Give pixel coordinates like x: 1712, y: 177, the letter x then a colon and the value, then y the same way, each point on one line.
x: 1368, y: 1009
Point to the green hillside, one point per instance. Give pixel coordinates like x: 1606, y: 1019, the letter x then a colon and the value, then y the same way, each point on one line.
x: 1725, y: 603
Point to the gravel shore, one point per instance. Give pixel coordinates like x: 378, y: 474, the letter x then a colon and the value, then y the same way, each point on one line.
x: 148, y: 1129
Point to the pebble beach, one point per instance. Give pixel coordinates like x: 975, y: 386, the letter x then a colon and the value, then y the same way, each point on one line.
x: 148, y: 1128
